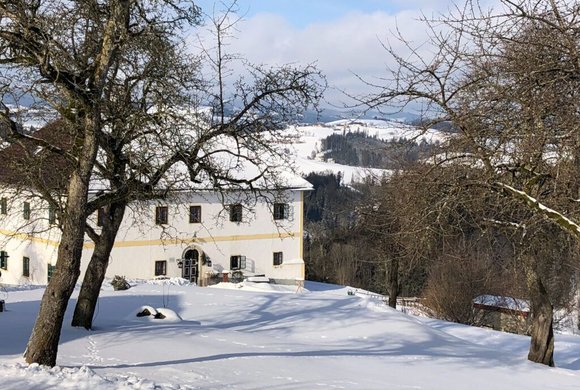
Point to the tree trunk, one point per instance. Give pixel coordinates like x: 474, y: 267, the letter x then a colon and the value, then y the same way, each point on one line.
x: 542, y: 343
x: 393, y: 281
x: 42, y: 346
x: 95, y: 274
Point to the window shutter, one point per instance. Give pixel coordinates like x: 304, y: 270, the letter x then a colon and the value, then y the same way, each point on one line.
x: 242, y: 262
x: 290, y: 213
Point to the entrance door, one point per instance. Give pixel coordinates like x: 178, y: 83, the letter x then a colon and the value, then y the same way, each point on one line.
x: 190, y: 265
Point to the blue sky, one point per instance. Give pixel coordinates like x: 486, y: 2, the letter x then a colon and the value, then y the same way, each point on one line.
x: 301, y: 13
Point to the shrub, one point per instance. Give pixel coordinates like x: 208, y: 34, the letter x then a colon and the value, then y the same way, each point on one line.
x: 454, y: 282
x: 120, y: 283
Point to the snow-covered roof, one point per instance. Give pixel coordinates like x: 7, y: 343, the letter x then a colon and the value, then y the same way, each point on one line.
x: 503, y: 302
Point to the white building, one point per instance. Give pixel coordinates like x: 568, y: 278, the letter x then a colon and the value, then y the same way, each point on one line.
x: 193, y: 235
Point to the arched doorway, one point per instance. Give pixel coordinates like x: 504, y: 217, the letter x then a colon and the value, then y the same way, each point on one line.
x: 190, y: 270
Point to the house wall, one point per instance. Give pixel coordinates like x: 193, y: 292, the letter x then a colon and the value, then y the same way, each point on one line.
x: 33, y: 238
x: 140, y: 242
x: 506, y: 321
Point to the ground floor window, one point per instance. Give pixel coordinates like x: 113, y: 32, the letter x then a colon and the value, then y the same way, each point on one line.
x: 237, y: 262
x: 278, y: 258
x: 3, y: 259
x: 161, y: 267
x: 26, y: 266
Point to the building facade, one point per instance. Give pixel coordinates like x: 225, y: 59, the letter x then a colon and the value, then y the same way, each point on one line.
x: 199, y: 236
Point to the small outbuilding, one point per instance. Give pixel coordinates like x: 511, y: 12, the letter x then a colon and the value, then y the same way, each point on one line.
x: 506, y: 314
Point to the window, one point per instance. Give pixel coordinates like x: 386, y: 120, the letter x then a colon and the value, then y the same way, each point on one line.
x: 51, y: 214
x: 194, y: 214
x: 278, y: 258
x: 237, y: 262
x: 3, y: 206
x: 50, y: 271
x: 161, y: 267
x: 161, y: 215
x: 280, y: 211
x: 26, y: 210
x: 4, y: 259
x: 236, y: 213
x: 100, y: 216
x: 26, y: 266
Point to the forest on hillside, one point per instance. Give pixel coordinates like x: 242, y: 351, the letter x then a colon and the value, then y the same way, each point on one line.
x: 359, y: 149
x: 410, y: 235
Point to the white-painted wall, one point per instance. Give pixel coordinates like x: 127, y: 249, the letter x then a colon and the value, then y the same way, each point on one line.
x: 141, y: 242
x: 34, y: 238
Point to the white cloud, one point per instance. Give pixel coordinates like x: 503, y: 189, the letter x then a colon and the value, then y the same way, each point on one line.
x: 342, y: 48
x: 350, y: 45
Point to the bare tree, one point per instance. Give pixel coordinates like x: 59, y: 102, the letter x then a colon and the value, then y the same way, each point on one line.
x: 66, y: 56
x: 507, y: 79
x: 211, y: 143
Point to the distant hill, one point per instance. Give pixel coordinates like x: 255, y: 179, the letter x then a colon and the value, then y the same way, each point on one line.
x: 333, y: 114
x: 373, y: 146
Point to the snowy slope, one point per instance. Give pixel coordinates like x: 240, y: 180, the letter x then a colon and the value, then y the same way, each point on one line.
x: 308, y: 144
x: 244, y: 338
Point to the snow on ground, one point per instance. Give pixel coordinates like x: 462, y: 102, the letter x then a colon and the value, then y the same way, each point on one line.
x: 308, y: 146
x: 243, y: 338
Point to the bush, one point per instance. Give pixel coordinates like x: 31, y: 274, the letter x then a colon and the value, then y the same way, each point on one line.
x: 120, y: 283
x: 454, y: 282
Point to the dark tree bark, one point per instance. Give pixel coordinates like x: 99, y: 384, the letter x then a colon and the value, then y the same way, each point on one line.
x: 95, y: 273
x: 42, y: 346
x: 102, y: 69
x: 168, y: 81
x: 508, y: 83
x: 393, y: 281
x: 542, y: 344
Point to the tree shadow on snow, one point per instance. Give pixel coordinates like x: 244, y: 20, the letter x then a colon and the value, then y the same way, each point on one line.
x: 112, y: 314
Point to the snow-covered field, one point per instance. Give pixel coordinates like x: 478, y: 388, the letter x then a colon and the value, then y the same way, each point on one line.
x: 307, y: 149
x: 270, y: 337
